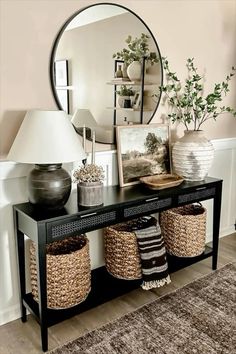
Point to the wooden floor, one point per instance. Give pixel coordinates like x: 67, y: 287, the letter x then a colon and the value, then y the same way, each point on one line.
x: 24, y: 338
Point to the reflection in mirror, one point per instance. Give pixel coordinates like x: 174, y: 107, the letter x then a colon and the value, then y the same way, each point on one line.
x: 87, y: 43
x: 84, y: 118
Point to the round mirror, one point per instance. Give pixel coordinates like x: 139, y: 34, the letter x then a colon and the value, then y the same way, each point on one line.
x: 106, y: 70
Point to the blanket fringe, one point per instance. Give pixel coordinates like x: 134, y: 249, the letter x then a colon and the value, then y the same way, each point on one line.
x: 147, y: 285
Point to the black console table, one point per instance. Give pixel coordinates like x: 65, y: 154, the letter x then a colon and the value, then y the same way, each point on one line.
x: 120, y: 204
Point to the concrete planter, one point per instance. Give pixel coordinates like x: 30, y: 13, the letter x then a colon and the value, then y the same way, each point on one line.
x: 90, y: 193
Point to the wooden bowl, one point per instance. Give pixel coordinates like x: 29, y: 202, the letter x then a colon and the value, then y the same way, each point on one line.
x: 161, y: 181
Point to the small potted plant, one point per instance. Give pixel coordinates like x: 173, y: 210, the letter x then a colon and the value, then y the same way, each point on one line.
x: 89, y: 179
x: 138, y: 48
x: 193, y: 154
x: 125, y: 93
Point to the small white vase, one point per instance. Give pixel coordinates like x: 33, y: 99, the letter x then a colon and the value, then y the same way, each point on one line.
x: 134, y: 71
x: 192, y: 156
x: 121, y: 100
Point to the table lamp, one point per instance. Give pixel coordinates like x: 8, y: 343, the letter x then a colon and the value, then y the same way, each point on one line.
x: 83, y: 117
x: 47, y: 139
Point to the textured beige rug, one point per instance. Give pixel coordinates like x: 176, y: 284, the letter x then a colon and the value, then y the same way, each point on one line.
x: 199, y: 318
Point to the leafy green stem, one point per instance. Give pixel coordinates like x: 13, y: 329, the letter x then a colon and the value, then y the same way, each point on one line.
x: 187, y: 101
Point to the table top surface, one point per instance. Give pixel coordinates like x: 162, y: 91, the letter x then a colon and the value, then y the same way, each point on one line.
x: 113, y: 195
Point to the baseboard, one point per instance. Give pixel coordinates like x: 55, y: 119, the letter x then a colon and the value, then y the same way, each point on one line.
x: 223, y: 232
x: 227, y: 231
x: 10, y: 314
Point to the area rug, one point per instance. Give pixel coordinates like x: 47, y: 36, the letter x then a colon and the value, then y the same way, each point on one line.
x: 199, y: 318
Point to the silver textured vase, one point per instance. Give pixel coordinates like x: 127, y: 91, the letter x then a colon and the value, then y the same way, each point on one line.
x: 90, y: 193
x: 192, y: 155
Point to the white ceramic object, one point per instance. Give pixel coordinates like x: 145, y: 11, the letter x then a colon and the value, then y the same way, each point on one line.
x: 192, y: 156
x: 121, y: 100
x: 134, y: 71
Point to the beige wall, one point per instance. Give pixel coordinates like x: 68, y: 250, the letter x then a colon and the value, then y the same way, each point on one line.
x: 205, y: 30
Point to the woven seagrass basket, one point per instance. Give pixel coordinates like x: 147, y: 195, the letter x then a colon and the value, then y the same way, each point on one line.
x: 68, y: 272
x: 121, y: 252
x: 184, y: 230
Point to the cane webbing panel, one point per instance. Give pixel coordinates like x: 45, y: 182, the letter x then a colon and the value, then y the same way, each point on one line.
x: 83, y: 223
x: 147, y: 207
x: 205, y: 193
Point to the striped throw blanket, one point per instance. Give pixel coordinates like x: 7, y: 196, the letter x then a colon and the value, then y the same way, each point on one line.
x: 153, y: 257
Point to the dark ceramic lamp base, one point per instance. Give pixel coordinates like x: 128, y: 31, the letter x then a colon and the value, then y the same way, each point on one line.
x: 49, y: 186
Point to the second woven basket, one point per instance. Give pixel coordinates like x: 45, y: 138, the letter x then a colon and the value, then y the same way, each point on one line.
x: 184, y: 230
x: 121, y: 252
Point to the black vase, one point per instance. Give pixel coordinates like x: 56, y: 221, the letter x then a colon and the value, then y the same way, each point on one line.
x: 127, y: 103
x: 49, y: 186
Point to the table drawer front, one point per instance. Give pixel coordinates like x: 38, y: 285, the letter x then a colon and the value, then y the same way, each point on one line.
x: 200, y: 194
x: 81, y: 224
x: 151, y: 205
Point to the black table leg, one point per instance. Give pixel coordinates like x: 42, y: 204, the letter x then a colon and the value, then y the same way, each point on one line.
x: 21, y: 265
x: 42, y: 285
x: 216, y: 224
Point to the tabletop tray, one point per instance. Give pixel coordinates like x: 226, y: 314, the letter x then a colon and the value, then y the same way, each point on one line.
x: 161, y: 181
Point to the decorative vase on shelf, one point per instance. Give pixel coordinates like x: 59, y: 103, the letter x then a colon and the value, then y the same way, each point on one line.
x: 134, y: 71
x: 119, y: 72
x: 192, y: 155
x: 121, y: 100
x: 124, y: 71
x: 90, y: 193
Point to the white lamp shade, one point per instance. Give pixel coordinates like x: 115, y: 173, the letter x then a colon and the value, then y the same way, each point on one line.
x: 46, y: 137
x: 83, y: 116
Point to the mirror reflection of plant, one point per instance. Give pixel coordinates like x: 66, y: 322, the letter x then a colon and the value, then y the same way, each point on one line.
x: 125, y: 91
x: 187, y: 101
x: 137, y: 49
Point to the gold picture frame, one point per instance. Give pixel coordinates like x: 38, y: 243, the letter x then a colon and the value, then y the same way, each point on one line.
x: 142, y: 150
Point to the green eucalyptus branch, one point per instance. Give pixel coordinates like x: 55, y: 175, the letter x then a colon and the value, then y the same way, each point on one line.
x: 186, y: 99
x: 137, y: 49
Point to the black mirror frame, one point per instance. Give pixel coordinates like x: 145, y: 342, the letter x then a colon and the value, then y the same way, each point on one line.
x: 61, y: 31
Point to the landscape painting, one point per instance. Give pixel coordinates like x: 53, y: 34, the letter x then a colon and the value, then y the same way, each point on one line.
x: 143, y: 150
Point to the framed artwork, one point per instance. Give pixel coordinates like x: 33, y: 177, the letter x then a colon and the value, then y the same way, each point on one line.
x: 63, y: 97
x: 61, y: 73
x: 143, y: 150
